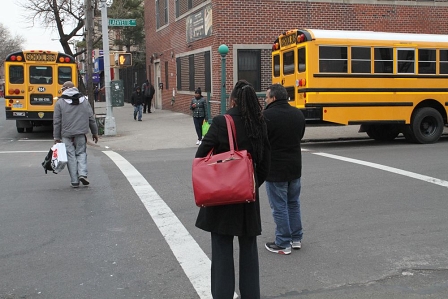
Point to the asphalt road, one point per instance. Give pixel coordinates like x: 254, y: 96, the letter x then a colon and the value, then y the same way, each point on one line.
x: 374, y: 214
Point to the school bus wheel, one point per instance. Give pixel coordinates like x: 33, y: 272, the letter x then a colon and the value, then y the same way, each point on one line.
x: 427, y: 125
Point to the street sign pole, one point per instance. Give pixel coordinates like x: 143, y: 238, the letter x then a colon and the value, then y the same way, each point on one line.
x: 109, y: 124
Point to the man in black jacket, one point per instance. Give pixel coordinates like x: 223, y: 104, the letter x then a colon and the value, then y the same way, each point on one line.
x: 137, y: 101
x: 286, y: 127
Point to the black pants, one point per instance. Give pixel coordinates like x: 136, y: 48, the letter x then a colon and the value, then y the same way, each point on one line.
x: 198, y: 126
x: 147, y: 103
x: 223, y: 271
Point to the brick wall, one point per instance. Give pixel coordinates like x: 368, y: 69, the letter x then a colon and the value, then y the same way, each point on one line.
x: 261, y: 21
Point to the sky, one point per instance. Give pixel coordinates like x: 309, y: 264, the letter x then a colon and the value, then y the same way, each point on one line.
x: 13, y: 17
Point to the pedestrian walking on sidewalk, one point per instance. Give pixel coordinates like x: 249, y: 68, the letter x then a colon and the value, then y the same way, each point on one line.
x: 72, y: 118
x: 148, y: 91
x: 199, y: 107
x: 242, y: 220
x: 137, y: 101
x: 286, y: 127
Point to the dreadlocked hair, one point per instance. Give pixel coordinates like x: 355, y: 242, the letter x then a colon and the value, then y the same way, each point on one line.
x: 247, y: 101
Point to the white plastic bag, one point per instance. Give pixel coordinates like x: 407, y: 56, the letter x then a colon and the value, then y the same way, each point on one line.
x: 59, y: 159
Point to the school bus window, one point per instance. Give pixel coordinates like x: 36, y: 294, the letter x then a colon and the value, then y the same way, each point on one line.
x: 405, y: 61
x: 276, y: 60
x: 64, y: 74
x: 426, y: 61
x: 443, y: 61
x: 383, y: 60
x: 288, y: 63
x: 16, y: 74
x: 301, y: 61
x: 361, y: 60
x: 333, y: 59
x: 40, y: 74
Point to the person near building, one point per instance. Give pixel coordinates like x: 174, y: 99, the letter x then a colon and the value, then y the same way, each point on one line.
x: 286, y: 127
x: 148, y: 91
x: 95, y: 93
x: 199, y: 107
x: 73, y: 117
x: 241, y: 220
x: 137, y: 101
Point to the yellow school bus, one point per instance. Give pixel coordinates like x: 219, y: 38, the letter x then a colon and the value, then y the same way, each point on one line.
x: 32, y: 80
x: 388, y: 83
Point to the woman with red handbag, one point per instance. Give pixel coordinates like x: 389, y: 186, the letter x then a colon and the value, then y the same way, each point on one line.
x: 224, y: 222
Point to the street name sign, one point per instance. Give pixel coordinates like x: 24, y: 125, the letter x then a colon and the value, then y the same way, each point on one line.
x: 122, y: 22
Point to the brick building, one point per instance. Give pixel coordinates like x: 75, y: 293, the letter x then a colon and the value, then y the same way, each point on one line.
x: 183, y: 36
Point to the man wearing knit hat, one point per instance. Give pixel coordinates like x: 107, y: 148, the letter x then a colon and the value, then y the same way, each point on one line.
x: 72, y: 118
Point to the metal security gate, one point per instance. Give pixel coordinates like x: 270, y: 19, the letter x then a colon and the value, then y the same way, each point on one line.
x: 132, y: 77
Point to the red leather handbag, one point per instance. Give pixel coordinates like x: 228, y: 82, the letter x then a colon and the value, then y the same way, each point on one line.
x: 224, y: 178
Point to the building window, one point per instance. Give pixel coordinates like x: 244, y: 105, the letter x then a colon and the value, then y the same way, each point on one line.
x: 361, y: 60
x: 249, y: 67
x: 405, y: 61
x: 443, y: 62
x: 332, y: 59
x: 383, y: 60
x: 194, y: 71
x: 161, y: 13
x: 166, y: 76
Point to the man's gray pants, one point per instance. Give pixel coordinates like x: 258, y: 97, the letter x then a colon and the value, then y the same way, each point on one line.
x: 76, y: 156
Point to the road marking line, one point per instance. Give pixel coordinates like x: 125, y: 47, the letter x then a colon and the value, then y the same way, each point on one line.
x: 389, y: 169
x: 19, y: 152
x: 190, y: 256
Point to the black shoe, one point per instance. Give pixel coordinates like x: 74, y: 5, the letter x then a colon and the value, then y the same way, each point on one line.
x: 84, y: 180
x: 139, y: 120
x: 149, y: 112
x: 272, y: 247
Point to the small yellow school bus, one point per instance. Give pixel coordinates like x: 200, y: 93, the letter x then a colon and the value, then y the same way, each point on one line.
x: 32, y: 80
x: 388, y: 83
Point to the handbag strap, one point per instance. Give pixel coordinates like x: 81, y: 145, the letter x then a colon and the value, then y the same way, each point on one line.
x: 231, y: 131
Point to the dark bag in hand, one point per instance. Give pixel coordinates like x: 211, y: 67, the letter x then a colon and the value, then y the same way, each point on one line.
x: 47, y: 162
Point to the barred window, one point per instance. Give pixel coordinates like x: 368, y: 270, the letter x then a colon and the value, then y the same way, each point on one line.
x: 194, y: 71
x: 249, y: 67
x: 161, y: 13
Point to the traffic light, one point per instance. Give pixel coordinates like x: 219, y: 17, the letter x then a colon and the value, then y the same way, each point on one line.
x: 125, y: 59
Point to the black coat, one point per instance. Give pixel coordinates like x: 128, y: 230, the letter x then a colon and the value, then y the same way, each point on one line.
x: 286, y: 127
x: 239, y: 219
x: 137, y: 98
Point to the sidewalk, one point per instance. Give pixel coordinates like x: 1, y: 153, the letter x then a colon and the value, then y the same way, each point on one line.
x: 164, y: 129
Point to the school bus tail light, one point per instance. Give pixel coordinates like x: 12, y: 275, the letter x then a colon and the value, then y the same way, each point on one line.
x: 16, y: 58
x: 14, y: 91
x: 275, y: 46
x: 302, y: 82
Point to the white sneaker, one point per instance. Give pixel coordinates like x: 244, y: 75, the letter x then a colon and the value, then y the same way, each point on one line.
x: 198, y: 142
x: 296, y: 244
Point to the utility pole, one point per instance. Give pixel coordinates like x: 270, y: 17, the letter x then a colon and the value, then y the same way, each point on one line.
x: 89, y: 43
x: 109, y: 124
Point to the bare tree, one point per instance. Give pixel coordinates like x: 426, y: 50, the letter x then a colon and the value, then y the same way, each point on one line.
x: 64, y: 16
x: 8, y: 43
